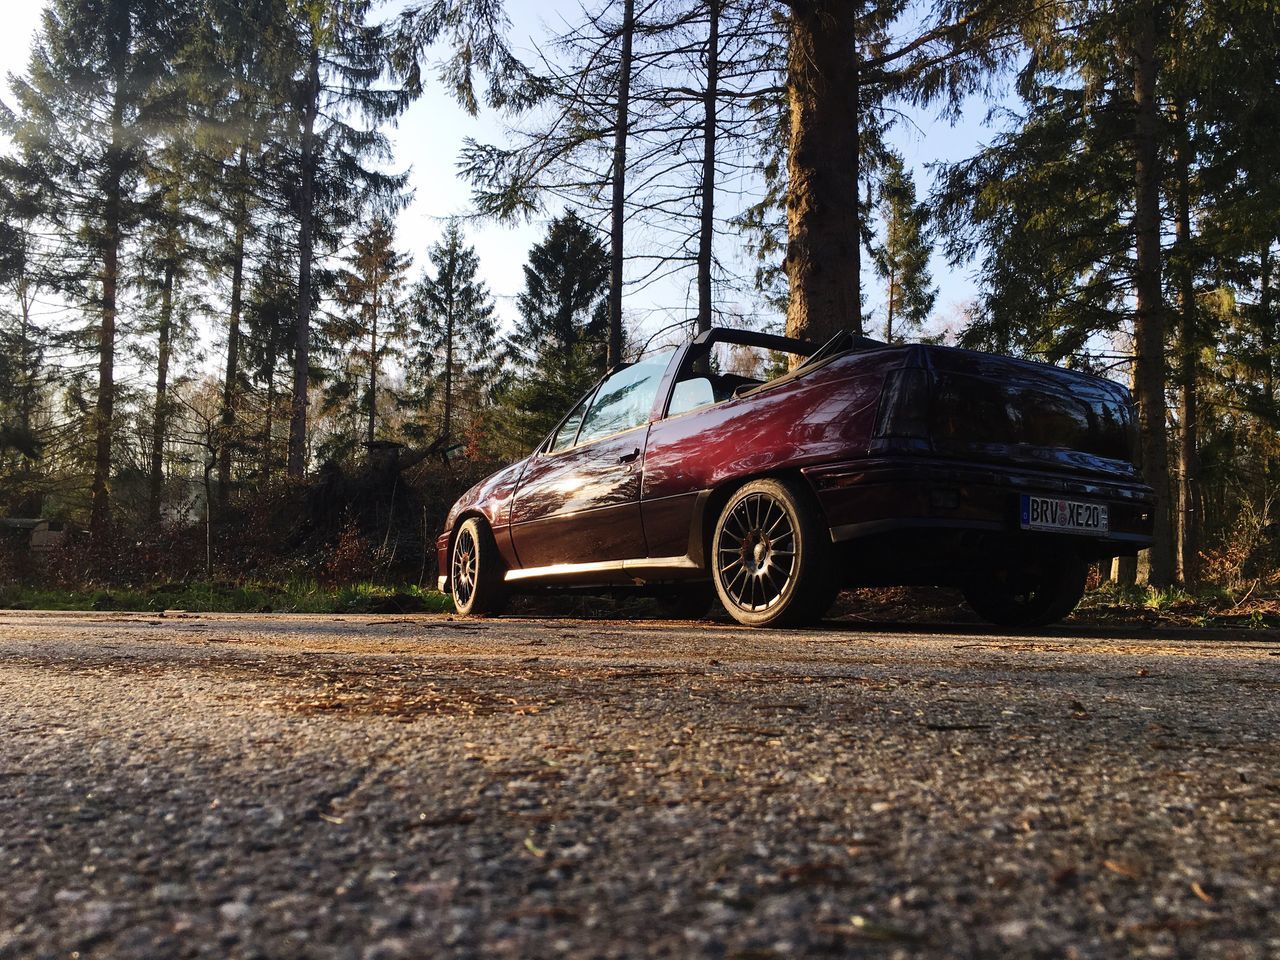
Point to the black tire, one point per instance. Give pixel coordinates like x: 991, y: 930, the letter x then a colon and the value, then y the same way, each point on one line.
x: 687, y: 601
x: 771, y: 556
x: 1033, y: 593
x: 476, y: 571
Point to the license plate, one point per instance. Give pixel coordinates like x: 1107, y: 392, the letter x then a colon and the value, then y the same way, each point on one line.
x: 1064, y: 516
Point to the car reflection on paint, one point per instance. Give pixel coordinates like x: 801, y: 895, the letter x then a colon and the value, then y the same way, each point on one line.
x: 768, y: 489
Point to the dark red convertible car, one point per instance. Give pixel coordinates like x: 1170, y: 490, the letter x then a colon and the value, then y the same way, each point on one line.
x: 724, y: 469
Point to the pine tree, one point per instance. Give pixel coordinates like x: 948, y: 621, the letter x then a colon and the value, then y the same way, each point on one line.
x: 1219, y: 76
x: 374, y: 317
x: 24, y: 372
x: 1046, y: 209
x: 618, y: 176
x: 81, y: 132
x: 170, y: 253
x: 340, y: 106
x: 270, y: 308
x: 1071, y: 205
x: 902, y: 259
x: 454, y: 350
x: 237, y: 68
x: 1149, y: 320
x: 578, y: 145
x: 640, y: 114
x: 846, y: 61
x: 559, y: 346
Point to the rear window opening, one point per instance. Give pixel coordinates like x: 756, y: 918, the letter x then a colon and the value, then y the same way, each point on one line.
x: 969, y: 411
x: 724, y: 371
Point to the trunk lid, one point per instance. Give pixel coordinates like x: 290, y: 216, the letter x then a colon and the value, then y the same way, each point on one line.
x: 992, y: 408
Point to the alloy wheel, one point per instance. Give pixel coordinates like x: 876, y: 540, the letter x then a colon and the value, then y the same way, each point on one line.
x: 756, y: 552
x: 465, y: 566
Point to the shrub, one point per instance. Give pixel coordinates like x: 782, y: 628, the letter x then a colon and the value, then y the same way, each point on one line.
x: 353, y: 558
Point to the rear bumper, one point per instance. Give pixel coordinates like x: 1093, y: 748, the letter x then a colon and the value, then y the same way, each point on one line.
x: 878, y: 496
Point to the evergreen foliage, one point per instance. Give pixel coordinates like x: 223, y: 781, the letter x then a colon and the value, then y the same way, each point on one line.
x: 200, y: 289
x: 558, y: 347
x: 339, y: 106
x: 454, y: 356
x: 84, y: 112
x: 902, y: 258
x: 366, y: 333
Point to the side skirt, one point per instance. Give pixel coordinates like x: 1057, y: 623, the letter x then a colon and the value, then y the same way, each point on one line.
x: 637, y: 572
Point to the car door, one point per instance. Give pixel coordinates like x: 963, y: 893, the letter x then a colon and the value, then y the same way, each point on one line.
x: 579, y: 499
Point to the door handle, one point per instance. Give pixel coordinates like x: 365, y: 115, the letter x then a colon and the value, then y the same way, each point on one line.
x: 630, y: 457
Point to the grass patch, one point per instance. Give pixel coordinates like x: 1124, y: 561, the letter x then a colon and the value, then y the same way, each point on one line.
x: 1207, y: 606
x: 301, y: 596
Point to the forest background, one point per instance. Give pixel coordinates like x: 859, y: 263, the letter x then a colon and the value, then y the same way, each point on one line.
x: 281, y: 277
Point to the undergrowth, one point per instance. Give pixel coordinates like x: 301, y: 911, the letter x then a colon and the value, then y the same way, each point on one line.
x: 1250, y: 605
x: 296, y: 596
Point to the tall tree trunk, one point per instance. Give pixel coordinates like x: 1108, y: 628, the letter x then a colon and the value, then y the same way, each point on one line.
x: 893, y: 286
x: 27, y: 389
x: 1267, y: 328
x: 297, y: 461
x: 1149, y: 320
x: 231, y: 385
x: 824, y: 255
x: 1124, y: 570
x: 1188, y: 369
x: 707, y: 186
x: 448, y: 371
x: 373, y: 369
x: 269, y: 418
x: 160, y: 422
x: 104, y: 410
x: 890, y: 255
x: 1267, y: 333
x: 618, y: 202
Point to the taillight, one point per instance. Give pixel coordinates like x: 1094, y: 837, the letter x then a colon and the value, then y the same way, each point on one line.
x: 904, y: 405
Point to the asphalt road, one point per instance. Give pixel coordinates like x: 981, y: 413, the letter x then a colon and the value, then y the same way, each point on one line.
x: 425, y: 787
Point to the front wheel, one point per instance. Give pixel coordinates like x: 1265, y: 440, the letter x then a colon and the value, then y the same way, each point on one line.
x: 771, y: 556
x: 1033, y: 593
x: 476, y: 571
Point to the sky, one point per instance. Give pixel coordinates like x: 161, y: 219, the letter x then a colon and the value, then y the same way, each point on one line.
x: 429, y: 135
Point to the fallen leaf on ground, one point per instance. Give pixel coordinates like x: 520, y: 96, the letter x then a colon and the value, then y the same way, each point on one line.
x: 1200, y: 892
x: 1124, y: 868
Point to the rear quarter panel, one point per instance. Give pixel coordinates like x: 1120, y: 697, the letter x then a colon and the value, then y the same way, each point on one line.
x: 823, y: 416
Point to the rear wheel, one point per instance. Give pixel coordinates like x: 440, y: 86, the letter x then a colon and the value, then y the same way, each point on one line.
x: 1034, y: 593
x: 476, y: 571
x: 771, y: 556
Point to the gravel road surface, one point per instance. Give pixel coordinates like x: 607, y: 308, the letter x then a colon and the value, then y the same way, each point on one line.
x: 422, y: 787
